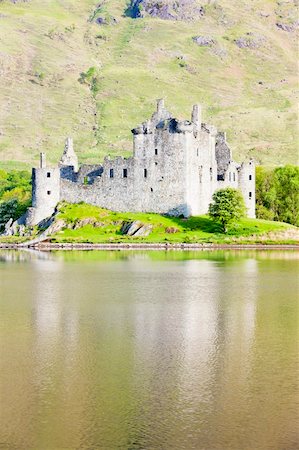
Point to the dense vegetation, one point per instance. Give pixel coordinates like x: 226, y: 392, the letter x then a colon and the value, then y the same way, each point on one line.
x: 15, y: 194
x: 86, y: 69
x: 277, y: 194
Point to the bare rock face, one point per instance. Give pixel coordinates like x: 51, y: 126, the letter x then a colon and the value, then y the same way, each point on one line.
x: 287, y: 15
x: 289, y: 27
x: 166, y: 9
x: 250, y: 40
x: 203, y: 41
x: 136, y: 229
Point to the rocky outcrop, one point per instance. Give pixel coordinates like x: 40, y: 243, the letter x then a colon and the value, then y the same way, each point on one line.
x: 289, y: 27
x: 250, y: 40
x: 203, y: 41
x: 166, y: 9
x: 136, y: 228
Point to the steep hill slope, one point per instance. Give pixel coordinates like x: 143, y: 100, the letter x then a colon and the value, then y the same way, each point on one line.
x: 93, y: 71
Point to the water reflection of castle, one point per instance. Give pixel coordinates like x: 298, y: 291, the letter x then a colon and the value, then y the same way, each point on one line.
x: 179, y: 340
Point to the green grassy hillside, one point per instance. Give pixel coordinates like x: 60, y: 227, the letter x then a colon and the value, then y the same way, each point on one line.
x: 61, y: 73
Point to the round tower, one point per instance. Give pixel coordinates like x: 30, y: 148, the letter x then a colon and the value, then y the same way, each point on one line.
x: 45, y: 190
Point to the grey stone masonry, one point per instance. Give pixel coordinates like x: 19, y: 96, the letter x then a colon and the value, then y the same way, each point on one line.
x: 176, y: 167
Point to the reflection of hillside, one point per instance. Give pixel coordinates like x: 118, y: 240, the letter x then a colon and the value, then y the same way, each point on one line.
x: 149, y: 353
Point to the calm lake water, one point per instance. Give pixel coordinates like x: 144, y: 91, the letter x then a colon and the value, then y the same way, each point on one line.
x: 149, y: 350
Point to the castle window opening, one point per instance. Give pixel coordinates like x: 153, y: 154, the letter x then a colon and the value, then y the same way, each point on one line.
x: 48, y: 174
x: 156, y: 151
x: 156, y: 163
x: 234, y: 176
x: 250, y: 177
x: 152, y: 190
x: 145, y: 173
x: 250, y: 194
x: 125, y: 173
x: 49, y: 192
x: 200, y: 174
x: 111, y: 173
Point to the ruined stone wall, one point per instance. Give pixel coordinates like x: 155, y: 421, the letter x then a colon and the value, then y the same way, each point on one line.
x: 87, y: 173
x: 162, y: 154
x: 202, y: 173
x: 230, y: 176
x: 175, y: 169
x: 152, y: 181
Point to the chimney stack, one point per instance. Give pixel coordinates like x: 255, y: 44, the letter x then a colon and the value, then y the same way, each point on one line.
x: 196, y: 115
x: 42, y: 159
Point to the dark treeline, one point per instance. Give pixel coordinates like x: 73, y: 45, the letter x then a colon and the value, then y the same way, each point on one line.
x: 277, y: 194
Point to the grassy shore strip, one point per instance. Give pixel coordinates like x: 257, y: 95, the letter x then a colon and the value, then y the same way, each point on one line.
x: 105, y: 228
x: 87, y: 225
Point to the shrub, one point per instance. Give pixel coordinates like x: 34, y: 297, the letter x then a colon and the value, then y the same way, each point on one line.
x: 227, y: 207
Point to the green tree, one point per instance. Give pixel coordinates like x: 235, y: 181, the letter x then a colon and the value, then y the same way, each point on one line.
x: 227, y: 207
x: 265, y: 193
x: 277, y: 194
x: 286, y: 180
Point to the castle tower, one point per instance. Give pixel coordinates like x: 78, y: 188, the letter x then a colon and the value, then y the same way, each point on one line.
x: 45, y: 191
x: 247, y: 186
x: 69, y: 157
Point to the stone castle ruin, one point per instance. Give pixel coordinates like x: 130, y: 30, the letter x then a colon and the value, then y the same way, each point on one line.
x: 176, y: 167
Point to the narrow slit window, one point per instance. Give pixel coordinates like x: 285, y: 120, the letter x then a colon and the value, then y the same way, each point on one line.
x: 156, y: 151
x: 234, y: 176
x: 145, y: 173
x: 111, y: 173
x: 48, y: 174
x: 250, y: 194
x: 152, y: 190
x: 125, y: 173
x: 250, y: 177
x: 49, y: 192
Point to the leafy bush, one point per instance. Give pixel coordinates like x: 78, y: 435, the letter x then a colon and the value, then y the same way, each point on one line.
x: 228, y: 207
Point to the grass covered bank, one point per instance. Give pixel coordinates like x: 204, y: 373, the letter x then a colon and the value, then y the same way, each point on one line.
x: 90, y: 224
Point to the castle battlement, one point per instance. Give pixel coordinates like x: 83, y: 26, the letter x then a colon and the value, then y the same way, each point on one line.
x: 176, y: 167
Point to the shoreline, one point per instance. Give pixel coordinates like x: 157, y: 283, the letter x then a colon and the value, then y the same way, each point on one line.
x: 147, y: 246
